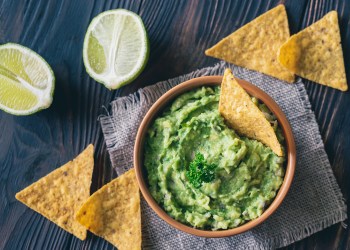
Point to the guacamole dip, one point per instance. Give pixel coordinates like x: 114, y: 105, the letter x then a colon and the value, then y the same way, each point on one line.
x: 201, y: 172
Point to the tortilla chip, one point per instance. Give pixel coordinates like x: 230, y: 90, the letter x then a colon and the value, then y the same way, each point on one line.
x: 315, y: 53
x: 255, y: 45
x: 60, y: 194
x: 113, y: 212
x: 243, y: 115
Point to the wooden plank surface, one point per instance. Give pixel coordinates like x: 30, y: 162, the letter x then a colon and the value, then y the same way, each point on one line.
x: 179, y: 32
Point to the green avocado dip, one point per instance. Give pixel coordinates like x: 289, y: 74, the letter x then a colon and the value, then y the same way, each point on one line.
x: 201, y: 172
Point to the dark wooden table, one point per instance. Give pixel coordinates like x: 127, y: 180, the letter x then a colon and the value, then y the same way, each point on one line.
x: 179, y: 32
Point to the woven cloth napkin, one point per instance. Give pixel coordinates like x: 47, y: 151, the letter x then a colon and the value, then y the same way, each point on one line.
x: 313, y: 202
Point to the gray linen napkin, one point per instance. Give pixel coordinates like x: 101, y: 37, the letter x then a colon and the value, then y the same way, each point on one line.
x: 313, y: 202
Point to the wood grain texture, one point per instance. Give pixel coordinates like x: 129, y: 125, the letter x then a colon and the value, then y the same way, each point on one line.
x: 179, y: 32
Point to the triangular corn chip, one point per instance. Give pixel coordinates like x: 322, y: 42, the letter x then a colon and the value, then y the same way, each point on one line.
x: 238, y: 109
x: 113, y: 212
x: 315, y: 53
x: 60, y: 194
x: 255, y: 45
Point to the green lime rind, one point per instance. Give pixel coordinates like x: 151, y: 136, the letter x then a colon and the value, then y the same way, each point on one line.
x: 144, y: 61
x: 51, y: 84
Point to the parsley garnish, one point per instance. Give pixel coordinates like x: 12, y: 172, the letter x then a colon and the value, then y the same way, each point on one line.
x: 200, y: 171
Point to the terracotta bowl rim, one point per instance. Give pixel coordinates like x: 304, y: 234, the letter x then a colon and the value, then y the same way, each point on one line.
x: 162, y: 102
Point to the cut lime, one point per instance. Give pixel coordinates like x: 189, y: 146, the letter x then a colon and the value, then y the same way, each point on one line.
x: 26, y: 80
x: 116, y: 48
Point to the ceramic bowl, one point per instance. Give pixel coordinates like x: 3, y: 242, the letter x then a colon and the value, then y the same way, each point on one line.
x: 163, y: 102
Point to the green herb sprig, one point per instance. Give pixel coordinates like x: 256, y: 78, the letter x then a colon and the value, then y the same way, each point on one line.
x: 200, y: 171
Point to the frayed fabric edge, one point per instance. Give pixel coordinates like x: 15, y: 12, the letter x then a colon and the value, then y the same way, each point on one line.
x: 300, y: 233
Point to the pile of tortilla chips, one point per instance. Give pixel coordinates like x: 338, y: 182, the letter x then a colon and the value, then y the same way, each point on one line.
x: 264, y: 45
x: 113, y: 212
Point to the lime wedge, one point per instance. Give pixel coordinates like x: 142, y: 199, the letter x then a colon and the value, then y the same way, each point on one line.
x: 116, y: 48
x: 26, y: 80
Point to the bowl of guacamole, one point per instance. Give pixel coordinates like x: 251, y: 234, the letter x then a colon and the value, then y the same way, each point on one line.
x: 199, y: 174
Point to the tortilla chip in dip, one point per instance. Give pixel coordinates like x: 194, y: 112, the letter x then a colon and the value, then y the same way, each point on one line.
x: 60, y: 194
x: 255, y: 45
x: 315, y: 53
x: 238, y: 109
x: 113, y: 212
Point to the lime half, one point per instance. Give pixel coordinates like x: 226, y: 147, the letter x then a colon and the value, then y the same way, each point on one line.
x: 26, y: 80
x: 116, y: 48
